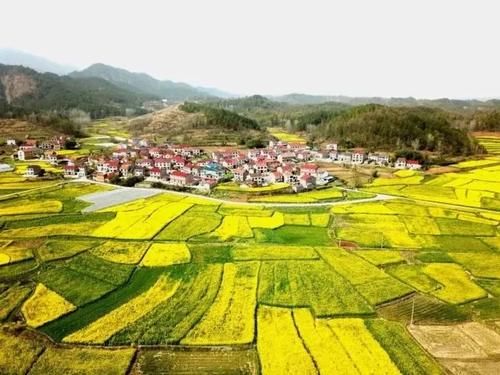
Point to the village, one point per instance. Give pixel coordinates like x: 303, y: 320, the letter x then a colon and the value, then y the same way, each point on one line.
x: 184, y: 166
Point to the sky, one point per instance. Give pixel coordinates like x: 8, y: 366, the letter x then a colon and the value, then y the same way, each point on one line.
x: 390, y: 48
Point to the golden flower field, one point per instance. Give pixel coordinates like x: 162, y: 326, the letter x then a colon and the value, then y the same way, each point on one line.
x: 193, y: 285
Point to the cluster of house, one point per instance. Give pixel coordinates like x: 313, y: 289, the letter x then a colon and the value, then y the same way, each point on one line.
x: 32, y: 149
x: 188, y: 166
x: 177, y: 165
x: 359, y: 156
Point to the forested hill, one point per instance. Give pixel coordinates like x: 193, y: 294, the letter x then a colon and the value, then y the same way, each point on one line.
x: 201, y: 125
x: 23, y: 91
x: 222, y: 118
x: 391, y: 128
x: 372, y: 125
x: 268, y: 112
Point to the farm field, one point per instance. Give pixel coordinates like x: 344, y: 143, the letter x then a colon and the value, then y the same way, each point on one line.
x: 282, y: 135
x: 473, y: 183
x: 169, y: 283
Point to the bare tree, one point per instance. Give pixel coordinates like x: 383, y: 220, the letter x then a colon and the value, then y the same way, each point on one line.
x: 336, y: 225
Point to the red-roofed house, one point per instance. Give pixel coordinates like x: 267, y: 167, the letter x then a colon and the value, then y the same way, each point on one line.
x: 179, y: 178
x: 111, y: 166
x: 413, y: 164
x: 358, y: 156
x: 161, y: 163
x: 157, y: 173
x: 125, y: 169
x: 145, y: 163
x: 179, y: 161
x: 70, y: 170
x: 310, y: 169
x: 307, y: 181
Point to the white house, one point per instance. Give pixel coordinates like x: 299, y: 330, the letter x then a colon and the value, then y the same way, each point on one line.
x: 400, y: 163
x: 344, y: 157
x: 358, y: 157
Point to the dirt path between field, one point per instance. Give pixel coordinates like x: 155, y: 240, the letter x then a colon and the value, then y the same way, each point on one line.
x: 122, y: 195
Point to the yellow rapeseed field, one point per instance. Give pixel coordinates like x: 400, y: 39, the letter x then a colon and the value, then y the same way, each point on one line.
x: 476, y: 219
x: 272, y: 252
x: 166, y: 254
x: 230, y: 319
x: 326, y: 349
x: 133, y: 222
x: 15, y: 251
x: 121, y: 252
x: 76, y: 229
x: 297, y: 219
x: 320, y: 220
x: 88, y: 361
x: 280, y: 348
x: 103, y: 328
x: 420, y: 224
x: 19, y: 350
x: 275, y: 221
x: 411, y: 180
x: 4, y: 259
x: 24, y: 208
x: 44, y: 306
x: 380, y: 257
x: 363, y: 208
x: 457, y: 286
x: 364, y: 351
x: 404, y: 173
x: 234, y: 226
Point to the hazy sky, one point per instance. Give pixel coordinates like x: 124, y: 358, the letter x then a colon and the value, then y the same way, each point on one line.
x: 421, y: 48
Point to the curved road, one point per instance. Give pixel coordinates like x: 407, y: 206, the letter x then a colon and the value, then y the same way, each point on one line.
x: 113, y: 197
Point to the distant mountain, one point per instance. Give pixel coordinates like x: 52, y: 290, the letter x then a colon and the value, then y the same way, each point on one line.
x: 301, y: 99
x: 143, y: 83
x: 445, y: 103
x: 247, y: 103
x: 23, y: 90
x: 212, y: 91
x: 15, y: 57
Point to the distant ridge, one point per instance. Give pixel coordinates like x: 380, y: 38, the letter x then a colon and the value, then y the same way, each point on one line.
x: 10, y: 56
x: 143, y: 83
x: 443, y: 103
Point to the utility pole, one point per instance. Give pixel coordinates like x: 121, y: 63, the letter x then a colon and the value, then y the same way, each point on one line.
x: 412, y: 310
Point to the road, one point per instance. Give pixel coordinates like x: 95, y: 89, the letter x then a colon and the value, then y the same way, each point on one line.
x: 127, y: 194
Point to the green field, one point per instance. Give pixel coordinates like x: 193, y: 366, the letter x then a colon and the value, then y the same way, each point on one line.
x: 271, y: 289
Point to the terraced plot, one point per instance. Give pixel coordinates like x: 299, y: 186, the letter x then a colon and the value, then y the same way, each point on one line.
x: 372, y: 283
x: 63, y: 361
x: 103, y: 328
x: 475, y: 184
x: 311, y: 284
x: 133, y: 222
x: 171, y: 320
x: 44, y: 306
x: 197, y: 361
x: 281, y: 350
x: 230, y: 319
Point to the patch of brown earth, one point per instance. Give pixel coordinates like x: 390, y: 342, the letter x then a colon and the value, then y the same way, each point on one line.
x: 17, y: 85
